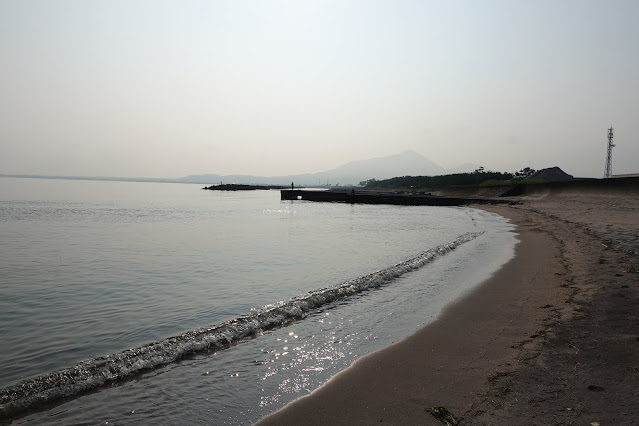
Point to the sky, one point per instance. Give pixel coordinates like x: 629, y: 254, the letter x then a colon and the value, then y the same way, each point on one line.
x: 159, y: 88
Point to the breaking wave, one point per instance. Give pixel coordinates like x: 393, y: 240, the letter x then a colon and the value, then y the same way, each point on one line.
x: 98, y: 372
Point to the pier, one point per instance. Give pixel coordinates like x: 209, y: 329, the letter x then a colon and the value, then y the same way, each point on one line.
x: 241, y: 187
x: 395, y: 198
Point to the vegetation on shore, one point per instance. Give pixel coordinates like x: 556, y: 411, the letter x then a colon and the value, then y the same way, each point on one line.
x: 476, y: 178
x: 514, y: 181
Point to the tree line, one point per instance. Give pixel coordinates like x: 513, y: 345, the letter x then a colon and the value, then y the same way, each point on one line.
x: 475, y: 178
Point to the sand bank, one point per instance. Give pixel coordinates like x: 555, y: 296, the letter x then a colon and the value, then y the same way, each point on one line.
x: 551, y: 338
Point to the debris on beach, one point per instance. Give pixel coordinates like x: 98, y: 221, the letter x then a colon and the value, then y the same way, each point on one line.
x: 444, y: 416
x: 595, y: 388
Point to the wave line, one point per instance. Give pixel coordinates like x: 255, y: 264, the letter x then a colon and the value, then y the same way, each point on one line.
x: 99, y: 372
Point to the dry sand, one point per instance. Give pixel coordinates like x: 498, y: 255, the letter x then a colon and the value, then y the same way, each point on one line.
x: 551, y: 338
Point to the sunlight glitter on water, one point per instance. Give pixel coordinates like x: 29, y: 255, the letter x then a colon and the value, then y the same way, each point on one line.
x: 179, y: 264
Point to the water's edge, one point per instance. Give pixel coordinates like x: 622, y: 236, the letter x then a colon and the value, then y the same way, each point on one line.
x: 98, y: 372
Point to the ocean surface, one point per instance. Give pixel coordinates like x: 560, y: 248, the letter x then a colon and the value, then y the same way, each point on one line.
x: 139, y: 303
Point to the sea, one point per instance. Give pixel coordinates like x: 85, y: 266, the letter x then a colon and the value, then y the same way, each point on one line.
x: 137, y: 302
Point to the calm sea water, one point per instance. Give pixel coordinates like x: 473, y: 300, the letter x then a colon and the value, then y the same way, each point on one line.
x: 89, y: 269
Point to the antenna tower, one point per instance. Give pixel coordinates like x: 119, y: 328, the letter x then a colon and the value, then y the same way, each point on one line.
x: 608, y: 171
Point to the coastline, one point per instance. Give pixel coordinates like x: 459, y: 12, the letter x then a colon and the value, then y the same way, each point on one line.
x: 513, y: 350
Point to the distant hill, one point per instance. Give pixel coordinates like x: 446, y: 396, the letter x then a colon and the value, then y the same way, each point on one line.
x: 408, y: 163
x: 404, y: 164
x: 552, y: 174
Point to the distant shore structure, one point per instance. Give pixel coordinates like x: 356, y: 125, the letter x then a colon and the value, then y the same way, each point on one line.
x: 608, y: 170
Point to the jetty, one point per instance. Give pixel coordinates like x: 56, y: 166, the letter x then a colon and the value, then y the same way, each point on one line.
x: 241, y: 187
x: 464, y: 195
x: 377, y: 197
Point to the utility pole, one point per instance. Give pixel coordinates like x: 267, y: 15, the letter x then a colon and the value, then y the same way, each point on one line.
x: 608, y: 171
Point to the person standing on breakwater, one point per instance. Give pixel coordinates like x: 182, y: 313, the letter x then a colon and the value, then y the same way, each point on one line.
x: 292, y: 186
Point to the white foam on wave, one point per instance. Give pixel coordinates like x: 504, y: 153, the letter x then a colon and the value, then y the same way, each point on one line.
x: 97, y: 372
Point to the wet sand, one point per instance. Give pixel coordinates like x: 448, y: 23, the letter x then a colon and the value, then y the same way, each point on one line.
x: 551, y: 338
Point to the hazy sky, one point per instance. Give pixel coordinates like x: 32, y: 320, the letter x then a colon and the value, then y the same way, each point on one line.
x: 172, y: 88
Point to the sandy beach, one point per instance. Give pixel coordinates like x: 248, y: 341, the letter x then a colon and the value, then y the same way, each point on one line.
x: 551, y: 338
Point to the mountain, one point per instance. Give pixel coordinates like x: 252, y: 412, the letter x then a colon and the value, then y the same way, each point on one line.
x: 408, y: 163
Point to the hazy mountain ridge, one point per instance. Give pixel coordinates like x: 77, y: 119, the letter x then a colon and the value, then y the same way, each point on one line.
x: 407, y: 163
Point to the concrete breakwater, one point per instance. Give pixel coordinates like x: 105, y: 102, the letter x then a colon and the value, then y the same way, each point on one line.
x: 460, y: 196
x: 395, y: 198
x: 241, y: 187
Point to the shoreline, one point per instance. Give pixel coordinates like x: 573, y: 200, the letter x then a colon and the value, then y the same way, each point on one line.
x: 446, y: 362
x: 500, y: 355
